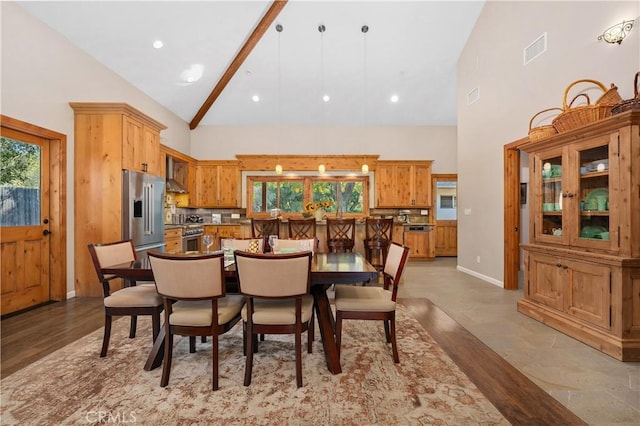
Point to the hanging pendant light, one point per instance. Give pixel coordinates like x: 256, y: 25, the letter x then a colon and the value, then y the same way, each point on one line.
x: 364, y: 29
x: 321, y: 169
x: 279, y: 29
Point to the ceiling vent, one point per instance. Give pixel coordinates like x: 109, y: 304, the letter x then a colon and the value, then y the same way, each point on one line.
x: 473, y: 96
x: 535, y: 49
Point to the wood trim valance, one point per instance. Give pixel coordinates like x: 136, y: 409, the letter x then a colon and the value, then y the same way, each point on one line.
x: 307, y: 162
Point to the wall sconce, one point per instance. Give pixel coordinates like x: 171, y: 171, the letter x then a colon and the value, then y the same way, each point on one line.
x: 365, y: 168
x: 278, y: 169
x: 321, y: 168
x: 616, y: 33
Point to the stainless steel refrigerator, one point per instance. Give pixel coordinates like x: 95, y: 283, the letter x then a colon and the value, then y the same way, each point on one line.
x: 142, y: 211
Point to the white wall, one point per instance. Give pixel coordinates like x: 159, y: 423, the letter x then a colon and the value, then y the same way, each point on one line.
x: 436, y: 143
x: 510, y: 94
x: 42, y: 72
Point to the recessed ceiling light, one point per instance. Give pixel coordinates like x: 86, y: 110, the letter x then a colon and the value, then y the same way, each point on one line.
x: 326, y: 98
x: 255, y: 98
x: 158, y: 44
x: 394, y: 98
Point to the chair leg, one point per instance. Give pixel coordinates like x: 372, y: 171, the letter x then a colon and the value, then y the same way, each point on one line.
x: 338, y: 329
x: 249, y: 361
x: 107, y: 335
x: 155, y: 324
x: 394, y: 345
x: 134, y: 323
x: 192, y: 344
x: 299, y: 358
x: 168, y: 352
x: 386, y: 331
x: 310, y: 333
x: 203, y: 339
x: 215, y: 362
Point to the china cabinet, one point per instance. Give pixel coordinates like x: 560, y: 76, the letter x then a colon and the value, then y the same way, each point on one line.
x: 403, y: 184
x: 582, y: 263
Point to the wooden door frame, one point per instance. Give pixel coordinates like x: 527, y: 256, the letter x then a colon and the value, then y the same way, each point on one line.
x: 57, y: 202
x: 512, y: 213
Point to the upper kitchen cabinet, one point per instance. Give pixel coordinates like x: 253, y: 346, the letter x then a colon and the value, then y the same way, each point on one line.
x: 403, y: 184
x: 141, y: 146
x: 218, y: 184
x: 109, y: 137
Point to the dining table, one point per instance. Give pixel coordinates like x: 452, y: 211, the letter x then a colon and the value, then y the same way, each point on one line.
x: 326, y: 269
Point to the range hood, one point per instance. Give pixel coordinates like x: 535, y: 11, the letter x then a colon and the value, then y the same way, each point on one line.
x: 172, y: 185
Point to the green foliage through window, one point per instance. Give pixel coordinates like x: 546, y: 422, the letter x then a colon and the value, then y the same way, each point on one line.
x: 20, y: 163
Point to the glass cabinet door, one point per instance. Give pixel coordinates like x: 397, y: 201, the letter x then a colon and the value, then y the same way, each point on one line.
x: 551, y: 223
x: 595, y: 226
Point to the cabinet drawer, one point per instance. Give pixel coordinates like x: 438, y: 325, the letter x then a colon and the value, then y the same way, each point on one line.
x: 173, y: 245
x: 172, y: 233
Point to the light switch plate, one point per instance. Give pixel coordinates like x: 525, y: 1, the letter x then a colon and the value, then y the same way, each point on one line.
x: 467, y: 212
x: 424, y: 212
x: 235, y: 215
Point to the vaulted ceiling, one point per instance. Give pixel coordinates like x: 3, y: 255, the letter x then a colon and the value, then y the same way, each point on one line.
x: 411, y: 51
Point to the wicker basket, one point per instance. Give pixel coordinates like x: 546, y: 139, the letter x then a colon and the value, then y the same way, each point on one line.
x: 544, y: 131
x: 629, y: 104
x: 573, y: 117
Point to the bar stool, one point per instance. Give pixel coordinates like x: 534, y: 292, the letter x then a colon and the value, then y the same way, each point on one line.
x: 262, y: 228
x: 341, y: 235
x: 378, y: 237
x: 302, y: 229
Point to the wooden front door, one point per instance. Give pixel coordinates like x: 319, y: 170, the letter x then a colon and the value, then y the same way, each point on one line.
x: 24, y: 221
x: 445, y: 194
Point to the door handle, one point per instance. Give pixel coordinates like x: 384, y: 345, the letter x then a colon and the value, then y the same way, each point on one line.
x: 46, y: 232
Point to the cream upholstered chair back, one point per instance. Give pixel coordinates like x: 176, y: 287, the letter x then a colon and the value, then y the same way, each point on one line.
x: 273, y: 275
x: 309, y: 244
x: 395, y: 261
x: 114, y: 253
x: 188, y: 277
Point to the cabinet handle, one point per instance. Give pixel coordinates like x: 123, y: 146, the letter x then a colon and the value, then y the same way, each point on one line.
x: 564, y: 195
x: 570, y: 195
x: 565, y: 267
x: 558, y: 265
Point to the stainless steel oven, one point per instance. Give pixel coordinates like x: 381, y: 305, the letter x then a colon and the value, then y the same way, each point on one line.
x: 191, y: 238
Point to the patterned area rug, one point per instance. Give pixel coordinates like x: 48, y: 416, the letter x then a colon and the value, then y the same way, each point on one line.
x: 75, y: 386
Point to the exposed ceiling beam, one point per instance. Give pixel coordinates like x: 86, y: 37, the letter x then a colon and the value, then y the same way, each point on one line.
x: 248, y: 46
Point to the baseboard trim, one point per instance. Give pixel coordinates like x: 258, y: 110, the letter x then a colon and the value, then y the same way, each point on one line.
x: 480, y: 276
x: 71, y: 294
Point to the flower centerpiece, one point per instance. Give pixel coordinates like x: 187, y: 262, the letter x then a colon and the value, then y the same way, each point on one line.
x: 316, y: 209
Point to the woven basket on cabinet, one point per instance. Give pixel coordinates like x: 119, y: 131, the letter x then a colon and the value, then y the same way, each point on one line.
x: 573, y: 117
x: 544, y: 131
x: 629, y: 104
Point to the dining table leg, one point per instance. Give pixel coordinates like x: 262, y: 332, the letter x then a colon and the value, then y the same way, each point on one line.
x: 154, y: 360
x: 325, y: 317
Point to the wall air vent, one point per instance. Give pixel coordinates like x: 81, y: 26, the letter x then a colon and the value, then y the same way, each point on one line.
x: 535, y: 49
x: 473, y: 96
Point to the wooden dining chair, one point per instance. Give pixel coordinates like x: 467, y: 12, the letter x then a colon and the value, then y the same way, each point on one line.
x: 262, y: 228
x: 130, y: 300
x: 302, y: 228
x: 374, y: 303
x: 378, y: 237
x: 195, y: 303
x: 276, y: 288
x: 341, y: 234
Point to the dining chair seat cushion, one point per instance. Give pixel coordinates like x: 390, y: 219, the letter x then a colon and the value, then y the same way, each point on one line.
x: 279, y: 311
x: 142, y: 296
x: 366, y: 299
x: 197, y: 313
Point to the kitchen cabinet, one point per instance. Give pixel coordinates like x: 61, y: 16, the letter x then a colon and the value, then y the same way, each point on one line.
x: 419, y: 239
x: 140, y: 146
x: 218, y: 184
x: 403, y: 184
x: 222, y: 231
x: 173, y: 239
x: 582, y: 263
x: 108, y: 137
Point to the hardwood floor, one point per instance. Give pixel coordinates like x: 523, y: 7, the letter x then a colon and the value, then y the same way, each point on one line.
x: 32, y: 335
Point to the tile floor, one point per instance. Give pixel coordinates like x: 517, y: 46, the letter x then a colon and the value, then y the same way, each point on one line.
x: 599, y: 389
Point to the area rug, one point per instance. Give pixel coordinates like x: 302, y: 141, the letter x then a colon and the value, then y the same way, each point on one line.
x: 75, y: 386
